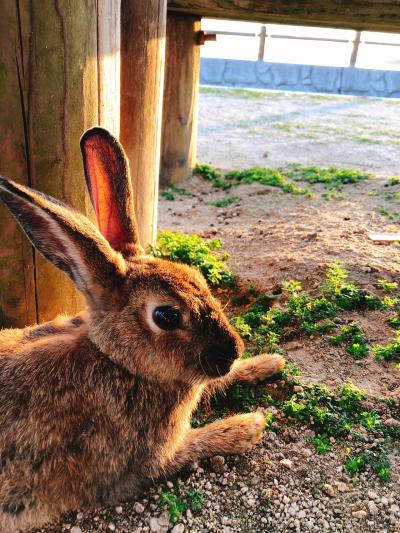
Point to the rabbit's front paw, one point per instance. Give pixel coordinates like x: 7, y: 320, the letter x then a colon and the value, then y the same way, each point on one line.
x: 245, y: 431
x: 259, y: 368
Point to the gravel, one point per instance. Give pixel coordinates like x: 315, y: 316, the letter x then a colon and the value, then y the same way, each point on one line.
x: 261, y: 492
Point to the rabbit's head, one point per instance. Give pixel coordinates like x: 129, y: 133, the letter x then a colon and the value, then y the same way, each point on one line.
x: 154, y: 317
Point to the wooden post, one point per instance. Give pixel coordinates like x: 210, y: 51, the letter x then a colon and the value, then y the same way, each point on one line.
x: 142, y: 74
x: 181, y: 89
x: 354, y: 52
x: 261, y: 48
x: 49, y: 74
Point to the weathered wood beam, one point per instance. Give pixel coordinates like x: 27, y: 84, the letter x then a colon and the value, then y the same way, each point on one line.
x: 142, y: 75
x: 181, y: 89
x: 51, y: 67
x: 378, y: 15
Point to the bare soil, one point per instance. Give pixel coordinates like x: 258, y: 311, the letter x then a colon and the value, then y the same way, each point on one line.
x: 273, y: 236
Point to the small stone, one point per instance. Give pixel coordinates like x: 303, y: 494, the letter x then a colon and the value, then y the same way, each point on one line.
x: 372, y: 508
x: 298, y: 388
x: 342, y: 487
x: 301, y: 514
x: 329, y: 490
x: 359, y: 514
x: 225, y: 520
x: 75, y: 529
x: 287, y: 463
x: 138, y: 508
x: 372, y: 495
x: 163, y: 520
x: 118, y: 509
x: 178, y: 528
x: 154, y: 525
x: 111, y: 526
x: 208, y: 486
x: 79, y: 516
x: 392, y: 423
x: 384, y: 501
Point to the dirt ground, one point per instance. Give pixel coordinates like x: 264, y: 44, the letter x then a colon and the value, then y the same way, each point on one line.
x: 282, y: 484
x: 241, y: 128
x: 273, y: 236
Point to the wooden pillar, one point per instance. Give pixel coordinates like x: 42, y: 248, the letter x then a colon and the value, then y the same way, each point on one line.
x: 142, y: 74
x: 181, y: 90
x: 354, y: 51
x: 50, y: 93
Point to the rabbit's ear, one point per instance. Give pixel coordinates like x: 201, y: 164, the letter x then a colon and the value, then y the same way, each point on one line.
x: 67, y: 239
x: 110, y: 189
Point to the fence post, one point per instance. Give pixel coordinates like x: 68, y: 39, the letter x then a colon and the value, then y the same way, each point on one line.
x: 356, y: 44
x: 143, y: 27
x: 181, y: 89
x: 261, y: 48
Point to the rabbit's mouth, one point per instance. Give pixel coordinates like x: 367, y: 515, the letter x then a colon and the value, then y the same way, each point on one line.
x: 215, y: 361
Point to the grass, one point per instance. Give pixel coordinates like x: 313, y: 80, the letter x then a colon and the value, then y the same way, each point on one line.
x: 390, y: 215
x: 376, y: 458
x: 206, y: 255
x: 224, y: 202
x: 387, y: 286
x: 354, y: 340
x: 389, y: 352
x: 266, y: 176
x: 172, y: 191
x: 176, y: 503
x: 332, y: 177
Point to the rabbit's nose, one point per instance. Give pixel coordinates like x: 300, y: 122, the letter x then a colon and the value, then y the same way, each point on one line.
x: 217, y: 358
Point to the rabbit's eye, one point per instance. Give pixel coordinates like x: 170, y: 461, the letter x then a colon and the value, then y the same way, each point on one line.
x: 167, y: 317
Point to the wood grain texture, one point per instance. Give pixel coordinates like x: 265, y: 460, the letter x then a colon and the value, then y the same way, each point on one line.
x: 17, y: 301
x: 142, y: 74
x: 378, y: 15
x: 61, y: 51
x: 109, y: 48
x: 181, y: 90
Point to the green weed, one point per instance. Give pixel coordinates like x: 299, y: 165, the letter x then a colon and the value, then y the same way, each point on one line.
x: 193, y: 250
x: 344, y: 293
x: 390, y: 352
x: 265, y: 176
x: 175, y: 506
x: 224, y: 202
x: 195, y: 500
x: 376, y: 458
x: 353, y: 338
x: 331, y: 195
x: 212, y: 174
x: 332, y: 177
x: 390, y: 215
x: 265, y: 325
x: 392, y: 196
x: 207, y: 171
x: 394, y: 180
x: 321, y: 444
x: 387, y: 286
x: 169, y: 194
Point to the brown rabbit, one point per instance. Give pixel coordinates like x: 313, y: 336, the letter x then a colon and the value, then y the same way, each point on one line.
x: 93, y: 407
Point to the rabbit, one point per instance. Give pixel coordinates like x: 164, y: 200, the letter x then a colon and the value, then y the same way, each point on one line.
x: 94, y: 407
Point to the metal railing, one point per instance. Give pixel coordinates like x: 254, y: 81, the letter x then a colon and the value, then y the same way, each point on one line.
x: 264, y: 36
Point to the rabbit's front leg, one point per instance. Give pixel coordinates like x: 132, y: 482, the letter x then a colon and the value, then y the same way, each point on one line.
x: 251, y: 371
x: 232, y: 435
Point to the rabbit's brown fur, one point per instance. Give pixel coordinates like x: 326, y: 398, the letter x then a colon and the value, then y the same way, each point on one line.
x: 95, y: 406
